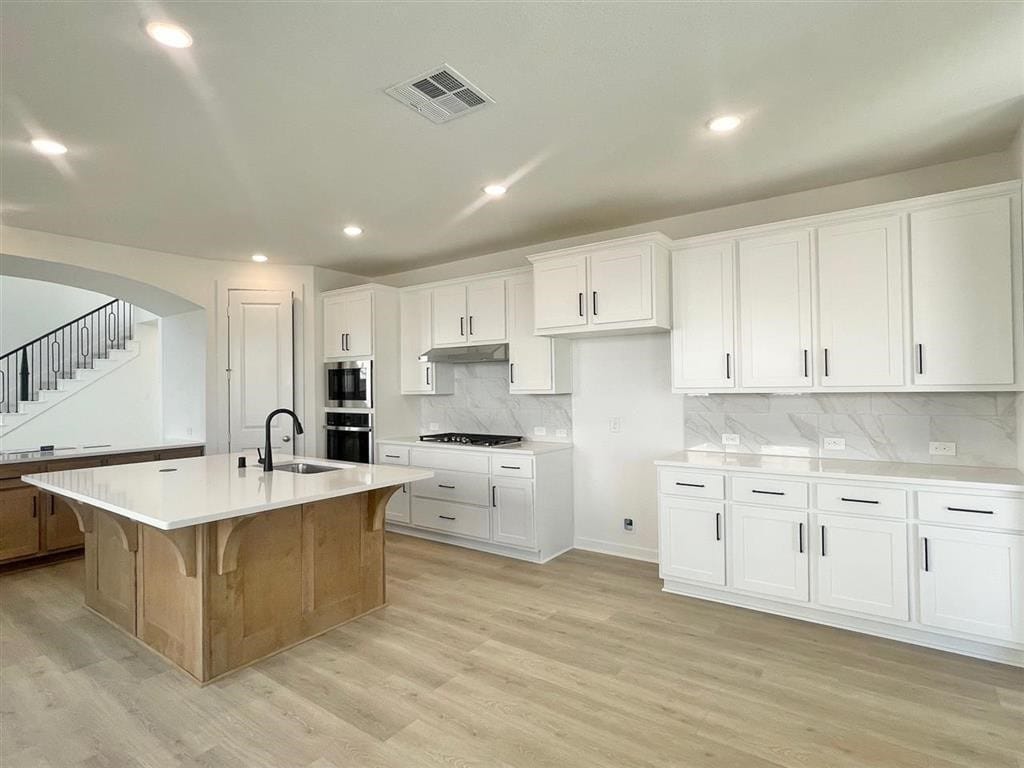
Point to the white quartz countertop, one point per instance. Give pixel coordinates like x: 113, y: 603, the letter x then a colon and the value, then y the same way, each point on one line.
x: 71, y: 452
x: 992, y: 479
x: 527, y: 447
x: 179, y: 493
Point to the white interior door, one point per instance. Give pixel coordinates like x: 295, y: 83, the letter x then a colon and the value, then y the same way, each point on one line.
x: 860, y: 292
x: 769, y: 551
x: 260, y: 366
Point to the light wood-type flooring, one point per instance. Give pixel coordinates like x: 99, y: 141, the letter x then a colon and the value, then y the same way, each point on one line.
x: 481, y: 661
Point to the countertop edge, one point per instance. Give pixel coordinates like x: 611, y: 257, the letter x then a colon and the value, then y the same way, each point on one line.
x: 529, y: 450
x: 78, y: 452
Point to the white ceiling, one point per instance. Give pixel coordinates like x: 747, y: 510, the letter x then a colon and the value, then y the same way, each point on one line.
x: 273, y: 131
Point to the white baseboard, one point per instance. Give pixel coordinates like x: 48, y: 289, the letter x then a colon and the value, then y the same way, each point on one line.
x: 619, y: 550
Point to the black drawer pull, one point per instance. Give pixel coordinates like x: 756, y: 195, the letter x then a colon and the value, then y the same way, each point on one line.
x: 446, y: 517
x: 769, y: 493
x: 800, y: 536
x: 718, y: 526
x: 506, y: 466
x: 973, y: 511
x: 691, y: 485
x: 391, y: 456
x: 858, y: 501
x: 442, y: 485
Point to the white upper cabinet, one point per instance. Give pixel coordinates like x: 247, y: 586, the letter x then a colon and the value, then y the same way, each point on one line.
x: 537, y: 364
x: 420, y: 377
x: 348, y: 324
x: 775, y: 311
x: 703, y: 309
x: 469, y: 313
x: 963, y: 293
x: 860, y: 298
x: 606, y: 288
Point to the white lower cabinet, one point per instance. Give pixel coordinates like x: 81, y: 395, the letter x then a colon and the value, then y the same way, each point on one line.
x: 769, y: 551
x: 693, y: 540
x: 861, y: 565
x: 398, y: 507
x: 512, y: 511
x: 972, y: 581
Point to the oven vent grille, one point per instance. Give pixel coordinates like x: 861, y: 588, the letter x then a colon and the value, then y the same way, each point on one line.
x: 440, y: 94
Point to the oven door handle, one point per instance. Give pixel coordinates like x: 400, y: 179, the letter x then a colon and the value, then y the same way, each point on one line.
x: 349, y: 429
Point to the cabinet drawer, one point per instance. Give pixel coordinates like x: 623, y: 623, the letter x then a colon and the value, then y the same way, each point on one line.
x: 697, y: 485
x: 502, y: 466
x: 1006, y: 513
x: 452, y: 518
x: 394, y: 454
x: 862, y: 500
x: 766, y: 490
x: 456, y: 460
x: 460, y: 487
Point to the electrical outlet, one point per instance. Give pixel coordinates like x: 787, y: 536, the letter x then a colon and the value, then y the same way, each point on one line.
x: 561, y: 433
x: 834, y: 444
x: 615, y: 425
x: 434, y: 426
x: 942, y: 449
x: 540, y: 431
x: 627, y: 523
x: 730, y: 439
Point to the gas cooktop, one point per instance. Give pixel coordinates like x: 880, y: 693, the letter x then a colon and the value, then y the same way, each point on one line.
x: 464, y: 438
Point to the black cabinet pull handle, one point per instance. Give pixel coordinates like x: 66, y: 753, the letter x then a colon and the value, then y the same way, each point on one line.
x: 511, y: 373
x: 428, y: 375
x: 800, y: 536
x: 462, y: 326
x: 806, y: 368
x: 926, y: 563
x: 972, y: 511
x: 823, y: 553
x: 581, y: 303
x: 691, y: 485
x: 506, y: 466
x: 446, y: 517
x: 470, y: 325
x: 920, y: 358
x: 449, y: 487
x: 595, y: 303
x: 858, y: 501
x: 392, y: 456
x: 718, y: 526
x: 728, y: 365
x: 494, y: 490
x: 35, y: 512
x: 826, y: 361
x: 769, y: 493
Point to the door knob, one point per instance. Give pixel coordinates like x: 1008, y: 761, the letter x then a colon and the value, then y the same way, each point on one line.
x: 286, y: 438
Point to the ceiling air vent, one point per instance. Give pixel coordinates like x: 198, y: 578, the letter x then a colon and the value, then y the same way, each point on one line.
x: 440, y: 94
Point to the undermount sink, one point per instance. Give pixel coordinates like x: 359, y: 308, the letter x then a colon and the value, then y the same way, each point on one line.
x: 302, y: 468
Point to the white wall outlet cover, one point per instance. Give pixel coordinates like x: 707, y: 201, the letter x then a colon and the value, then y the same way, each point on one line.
x: 540, y: 431
x: 561, y: 433
x: 942, y: 449
x: 834, y: 444
x: 615, y: 425
x: 434, y: 425
x: 730, y: 439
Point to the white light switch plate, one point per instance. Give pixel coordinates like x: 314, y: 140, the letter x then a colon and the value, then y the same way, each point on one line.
x: 834, y: 444
x: 730, y: 439
x: 942, y: 449
x: 540, y: 431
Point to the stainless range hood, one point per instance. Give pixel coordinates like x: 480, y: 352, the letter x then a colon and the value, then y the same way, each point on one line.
x: 481, y: 353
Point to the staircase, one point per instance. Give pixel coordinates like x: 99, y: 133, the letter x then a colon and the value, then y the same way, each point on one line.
x: 48, y: 370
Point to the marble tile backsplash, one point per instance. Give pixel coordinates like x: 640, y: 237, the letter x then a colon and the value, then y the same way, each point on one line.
x: 482, y: 403
x: 882, y: 427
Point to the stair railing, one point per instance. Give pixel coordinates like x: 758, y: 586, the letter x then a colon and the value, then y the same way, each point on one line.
x: 42, y: 363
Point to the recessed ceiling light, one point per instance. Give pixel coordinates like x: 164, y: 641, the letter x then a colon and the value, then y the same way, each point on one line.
x: 724, y: 124
x: 353, y: 230
x: 495, y: 190
x: 48, y: 147
x: 171, y: 35
x: 259, y: 257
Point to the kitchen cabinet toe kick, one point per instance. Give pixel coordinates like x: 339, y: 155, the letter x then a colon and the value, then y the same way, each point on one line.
x: 215, y: 597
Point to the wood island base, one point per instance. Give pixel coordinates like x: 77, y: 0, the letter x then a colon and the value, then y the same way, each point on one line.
x: 215, y: 597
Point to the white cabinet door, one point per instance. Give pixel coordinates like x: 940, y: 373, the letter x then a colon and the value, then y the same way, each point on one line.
x: 769, y: 551
x: 962, y: 293
x: 560, y: 293
x: 860, y: 299
x: 530, y: 364
x: 449, y: 321
x: 703, y: 305
x: 485, y: 307
x: 621, y: 285
x: 334, y: 326
x: 348, y: 325
x: 775, y: 310
x: 692, y: 540
x: 861, y: 565
x: 398, y: 508
x: 415, y: 330
x: 972, y: 581
x: 512, y: 512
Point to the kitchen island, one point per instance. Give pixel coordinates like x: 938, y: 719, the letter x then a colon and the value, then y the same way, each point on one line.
x: 215, y: 566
